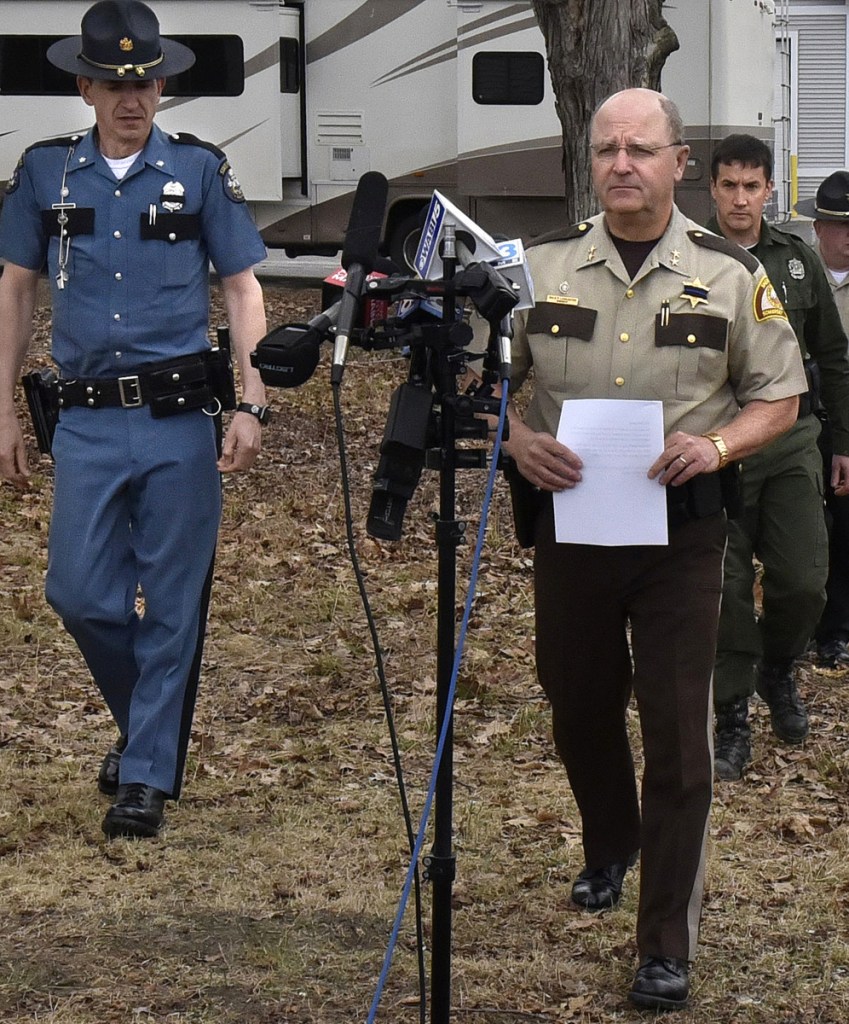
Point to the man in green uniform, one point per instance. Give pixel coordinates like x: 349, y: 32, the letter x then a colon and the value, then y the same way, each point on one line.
x: 830, y: 211
x: 782, y: 521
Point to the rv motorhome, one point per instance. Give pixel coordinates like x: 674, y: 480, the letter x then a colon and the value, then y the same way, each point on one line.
x: 307, y: 95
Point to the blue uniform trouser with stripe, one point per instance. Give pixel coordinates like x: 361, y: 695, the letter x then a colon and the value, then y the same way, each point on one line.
x: 137, y: 507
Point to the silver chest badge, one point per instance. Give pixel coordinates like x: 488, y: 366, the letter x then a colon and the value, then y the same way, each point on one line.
x: 796, y: 269
x: 173, y: 195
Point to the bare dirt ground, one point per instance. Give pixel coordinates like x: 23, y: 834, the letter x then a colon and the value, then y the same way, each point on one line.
x: 270, y: 895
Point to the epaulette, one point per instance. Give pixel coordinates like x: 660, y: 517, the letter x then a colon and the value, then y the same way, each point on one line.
x: 187, y: 139
x: 719, y: 244
x: 578, y: 230
x: 64, y: 140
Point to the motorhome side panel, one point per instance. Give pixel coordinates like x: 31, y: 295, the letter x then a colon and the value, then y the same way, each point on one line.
x: 722, y: 80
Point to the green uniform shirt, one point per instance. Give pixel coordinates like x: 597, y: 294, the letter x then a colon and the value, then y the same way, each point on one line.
x: 801, y: 284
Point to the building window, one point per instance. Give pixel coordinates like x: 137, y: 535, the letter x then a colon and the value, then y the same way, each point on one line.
x: 508, y: 78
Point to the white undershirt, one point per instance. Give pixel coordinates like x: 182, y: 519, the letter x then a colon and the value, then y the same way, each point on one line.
x: 120, y: 167
x: 839, y: 275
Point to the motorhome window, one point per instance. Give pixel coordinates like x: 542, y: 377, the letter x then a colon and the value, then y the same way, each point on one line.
x: 508, y: 78
x: 290, y: 65
x: 219, y: 68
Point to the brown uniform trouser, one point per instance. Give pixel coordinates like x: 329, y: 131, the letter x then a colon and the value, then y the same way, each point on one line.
x: 585, y: 598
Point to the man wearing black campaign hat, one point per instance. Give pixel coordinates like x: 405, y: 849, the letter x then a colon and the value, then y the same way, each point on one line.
x: 830, y: 211
x: 127, y: 219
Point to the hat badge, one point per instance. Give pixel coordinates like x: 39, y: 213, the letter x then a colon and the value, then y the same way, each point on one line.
x: 126, y: 45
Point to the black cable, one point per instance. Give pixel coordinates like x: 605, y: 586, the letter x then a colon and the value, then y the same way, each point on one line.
x: 384, y: 690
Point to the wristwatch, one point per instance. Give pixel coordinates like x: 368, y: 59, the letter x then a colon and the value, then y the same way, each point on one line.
x: 262, y: 412
x: 721, y: 447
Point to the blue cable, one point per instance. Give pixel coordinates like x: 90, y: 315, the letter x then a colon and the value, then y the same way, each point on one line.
x: 449, y: 709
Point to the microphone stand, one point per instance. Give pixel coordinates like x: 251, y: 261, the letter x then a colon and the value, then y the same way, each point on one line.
x: 440, y: 866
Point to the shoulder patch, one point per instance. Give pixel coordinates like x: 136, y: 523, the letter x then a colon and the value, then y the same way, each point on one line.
x: 719, y: 244
x: 187, y: 139
x: 232, y: 188
x: 15, y: 180
x: 766, y: 304
x: 578, y: 230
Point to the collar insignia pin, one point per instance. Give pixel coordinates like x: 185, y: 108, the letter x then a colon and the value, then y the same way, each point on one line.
x: 674, y: 258
x: 590, y: 253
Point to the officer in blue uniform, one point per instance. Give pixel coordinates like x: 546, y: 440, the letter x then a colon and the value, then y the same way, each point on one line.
x: 126, y: 219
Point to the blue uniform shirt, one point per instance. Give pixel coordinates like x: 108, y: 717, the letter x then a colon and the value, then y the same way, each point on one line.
x: 137, y: 287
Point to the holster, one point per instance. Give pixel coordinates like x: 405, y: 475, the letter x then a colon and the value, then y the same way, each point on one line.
x: 526, y: 501
x: 42, y: 395
x: 705, y: 495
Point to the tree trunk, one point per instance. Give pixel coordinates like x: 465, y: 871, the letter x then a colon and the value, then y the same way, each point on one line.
x: 595, y: 48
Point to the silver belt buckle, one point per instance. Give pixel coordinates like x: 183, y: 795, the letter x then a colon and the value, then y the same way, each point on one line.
x: 129, y: 388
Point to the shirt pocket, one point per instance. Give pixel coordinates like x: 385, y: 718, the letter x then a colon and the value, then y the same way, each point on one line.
x: 77, y: 244
x: 172, y: 241
x: 690, y: 354
x: 561, y: 342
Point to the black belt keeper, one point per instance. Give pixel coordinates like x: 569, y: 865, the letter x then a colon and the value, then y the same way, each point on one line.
x: 168, y: 388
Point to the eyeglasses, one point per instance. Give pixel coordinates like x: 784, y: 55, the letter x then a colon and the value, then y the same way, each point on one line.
x: 607, y: 153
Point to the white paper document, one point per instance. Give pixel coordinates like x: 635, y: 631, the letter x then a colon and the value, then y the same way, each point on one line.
x: 615, y: 503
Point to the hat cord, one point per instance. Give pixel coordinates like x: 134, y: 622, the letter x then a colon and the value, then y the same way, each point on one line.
x: 122, y: 69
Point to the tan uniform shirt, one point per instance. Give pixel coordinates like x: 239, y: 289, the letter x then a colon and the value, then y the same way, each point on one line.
x: 840, y: 292
x: 695, y: 329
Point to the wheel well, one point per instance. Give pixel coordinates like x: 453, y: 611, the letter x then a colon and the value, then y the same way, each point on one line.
x: 404, y: 218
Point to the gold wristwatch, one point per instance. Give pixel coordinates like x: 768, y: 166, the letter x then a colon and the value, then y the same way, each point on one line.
x: 721, y: 447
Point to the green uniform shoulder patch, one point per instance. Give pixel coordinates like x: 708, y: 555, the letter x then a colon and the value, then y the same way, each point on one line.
x: 719, y: 244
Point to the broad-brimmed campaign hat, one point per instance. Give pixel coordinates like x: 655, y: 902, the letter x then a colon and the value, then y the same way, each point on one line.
x: 831, y: 202
x: 120, y: 41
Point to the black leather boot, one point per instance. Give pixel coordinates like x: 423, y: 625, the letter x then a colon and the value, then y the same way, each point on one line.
x: 776, y: 683
x: 733, y: 743
x: 107, y: 777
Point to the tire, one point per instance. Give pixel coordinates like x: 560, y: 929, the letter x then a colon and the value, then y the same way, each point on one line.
x: 404, y: 241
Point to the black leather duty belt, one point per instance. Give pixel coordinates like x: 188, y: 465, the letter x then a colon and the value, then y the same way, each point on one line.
x: 178, y: 385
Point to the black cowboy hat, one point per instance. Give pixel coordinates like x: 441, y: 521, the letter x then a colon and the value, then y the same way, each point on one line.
x: 832, y: 199
x: 120, y: 41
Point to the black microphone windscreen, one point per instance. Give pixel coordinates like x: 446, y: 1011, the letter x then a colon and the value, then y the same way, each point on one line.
x: 366, y: 221
x: 287, y: 356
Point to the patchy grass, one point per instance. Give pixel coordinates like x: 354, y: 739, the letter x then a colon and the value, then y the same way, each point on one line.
x: 271, y: 893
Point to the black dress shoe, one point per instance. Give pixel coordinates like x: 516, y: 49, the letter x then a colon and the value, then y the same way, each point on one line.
x: 107, y: 777
x: 600, y: 888
x: 661, y: 983
x: 137, y: 812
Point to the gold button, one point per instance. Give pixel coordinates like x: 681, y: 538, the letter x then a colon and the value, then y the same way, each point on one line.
x: 624, y: 336
x: 555, y: 328
x: 619, y: 382
x: 629, y: 294
x: 583, y: 227
x: 691, y: 339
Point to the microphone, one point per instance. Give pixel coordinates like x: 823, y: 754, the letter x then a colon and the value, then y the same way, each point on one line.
x: 288, y: 355
x: 359, y: 256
